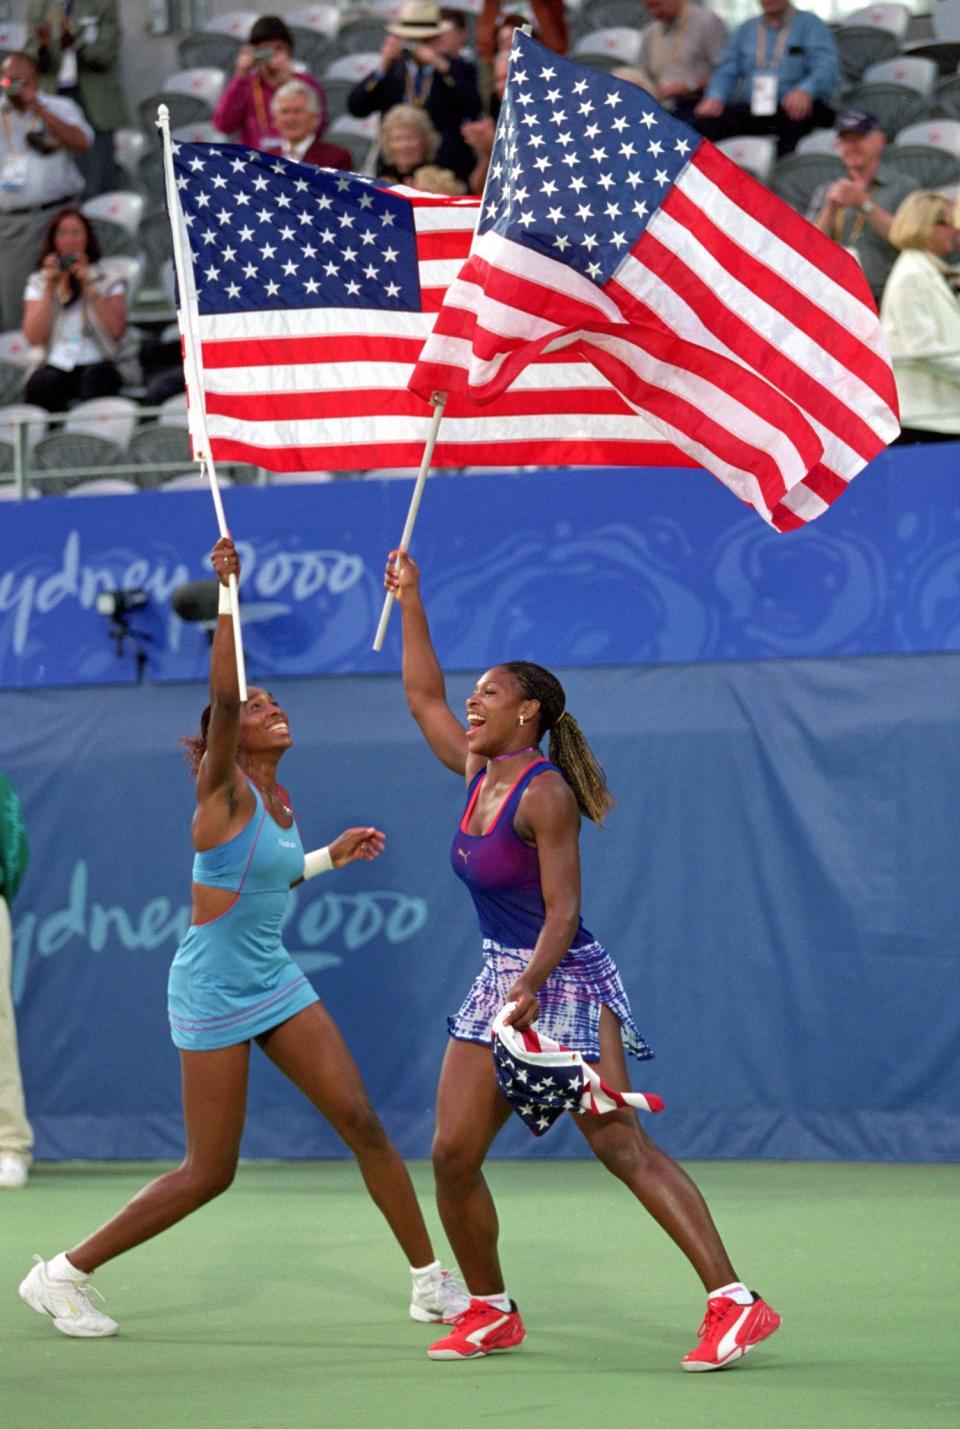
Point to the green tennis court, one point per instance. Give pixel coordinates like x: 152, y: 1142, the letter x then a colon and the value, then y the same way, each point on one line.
x: 283, y: 1305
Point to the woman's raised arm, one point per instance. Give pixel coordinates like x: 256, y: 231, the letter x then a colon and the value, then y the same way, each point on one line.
x: 423, y: 682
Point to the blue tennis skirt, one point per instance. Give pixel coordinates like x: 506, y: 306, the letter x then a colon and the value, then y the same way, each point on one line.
x: 208, y: 1011
x: 570, y: 1000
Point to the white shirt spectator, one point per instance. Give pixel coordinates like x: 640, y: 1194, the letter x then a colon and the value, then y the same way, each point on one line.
x: 29, y: 180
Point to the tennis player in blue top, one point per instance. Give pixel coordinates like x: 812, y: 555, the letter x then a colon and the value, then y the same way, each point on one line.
x: 233, y: 982
x: 517, y: 850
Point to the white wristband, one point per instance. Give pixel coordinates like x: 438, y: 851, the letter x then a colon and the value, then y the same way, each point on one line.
x: 224, y: 607
x: 317, y: 861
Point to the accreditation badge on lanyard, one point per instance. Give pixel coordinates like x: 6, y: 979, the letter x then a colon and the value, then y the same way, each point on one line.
x: 765, y: 86
x: 13, y: 163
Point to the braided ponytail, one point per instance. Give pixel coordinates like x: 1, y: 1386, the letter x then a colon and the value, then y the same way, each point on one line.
x: 568, y: 747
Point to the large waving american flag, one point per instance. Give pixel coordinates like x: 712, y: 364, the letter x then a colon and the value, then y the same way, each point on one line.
x: 306, y: 299
x: 612, y: 232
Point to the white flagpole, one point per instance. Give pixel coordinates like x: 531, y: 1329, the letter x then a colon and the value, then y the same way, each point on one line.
x: 439, y: 400
x: 191, y: 365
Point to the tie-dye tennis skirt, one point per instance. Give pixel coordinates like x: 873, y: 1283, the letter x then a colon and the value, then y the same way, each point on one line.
x: 570, y: 999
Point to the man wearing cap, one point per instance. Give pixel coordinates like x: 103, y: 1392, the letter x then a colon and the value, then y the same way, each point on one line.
x: 778, y: 75
x: 411, y: 71
x: 857, y: 210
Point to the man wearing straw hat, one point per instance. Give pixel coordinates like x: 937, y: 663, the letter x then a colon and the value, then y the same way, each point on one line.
x: 412, y: 71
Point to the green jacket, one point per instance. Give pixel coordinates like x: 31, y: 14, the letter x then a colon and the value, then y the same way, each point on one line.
x: 14, y: 850
x: 98, y: 79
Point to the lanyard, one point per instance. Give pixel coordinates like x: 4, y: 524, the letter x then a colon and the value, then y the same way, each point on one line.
x: 259, y: 105
x: 771, y: 65
x: 419, y: 94
x: 660, y: 64
x: 856, y: 227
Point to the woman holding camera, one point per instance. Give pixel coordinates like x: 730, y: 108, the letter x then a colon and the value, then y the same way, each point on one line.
x: 263, y: 64
x: 77, y: 312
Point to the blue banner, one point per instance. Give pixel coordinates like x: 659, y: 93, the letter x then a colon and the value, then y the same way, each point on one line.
x: 594, y: 568
x: 777, y: 883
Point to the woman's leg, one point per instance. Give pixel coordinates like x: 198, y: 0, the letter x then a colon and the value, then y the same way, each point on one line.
x: 470, y: 1111
x: 51, y: 388
x: 309, y: 1049
x: 99, y: 379
x: 659, y: 1183
x: 214, y: 1106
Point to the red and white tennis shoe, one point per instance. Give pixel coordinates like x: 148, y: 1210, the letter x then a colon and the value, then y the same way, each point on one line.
x: 482, y: 1329
x: 729, y: 1330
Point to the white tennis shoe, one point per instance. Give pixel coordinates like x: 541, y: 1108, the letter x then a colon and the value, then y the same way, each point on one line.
x: 13, y: 1171
x: 67, y: 1302
x: 437, y: 1296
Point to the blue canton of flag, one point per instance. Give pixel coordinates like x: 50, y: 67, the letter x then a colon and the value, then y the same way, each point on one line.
x: 267, y: 233
x: 541, y: 1078
x: 578, y: 170
x: 538, y: 1098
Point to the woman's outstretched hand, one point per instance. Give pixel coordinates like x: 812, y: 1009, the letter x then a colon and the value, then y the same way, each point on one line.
x: 225, y: 560
x: 364, y: 843
x: 404, y: 580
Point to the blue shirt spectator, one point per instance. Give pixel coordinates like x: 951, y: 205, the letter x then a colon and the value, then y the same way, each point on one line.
x: 779, y: 74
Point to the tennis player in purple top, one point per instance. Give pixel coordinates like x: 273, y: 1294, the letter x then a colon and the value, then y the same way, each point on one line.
x: 517, y: 850
x: 233, y: 983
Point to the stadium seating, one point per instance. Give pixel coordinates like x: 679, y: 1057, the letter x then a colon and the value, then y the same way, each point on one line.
x: 359, y: 136
x: 608, y: 49
x: 204, y: 49
x: 884, y: 16
x: 942, y: 133
x: 13, y: 37
x: 931, y: 166
x: 796, y: 177
x: 236, y: 23
x: 26, y: 416
x: 62, y: 452
x: 104, y: 486
x: 915, y: 72
x: 861, y: 45
x: 819, y: 141
x: 757, y: 153
x: 128, y: 149
x: 895, y: 105
x: 14, y: 361
x: 113, y: 418
x: 342, y: 74
x: 610, y: 14
x: 116, y: 216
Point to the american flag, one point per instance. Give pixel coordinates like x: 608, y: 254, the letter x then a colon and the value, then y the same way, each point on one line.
x: 541, y: 1079
x: 311, y: 292
x: 612, y: 231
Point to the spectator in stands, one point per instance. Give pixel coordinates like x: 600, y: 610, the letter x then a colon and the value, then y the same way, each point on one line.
x: 408, y: 146
x: 480, y: 133
x: 262, y: 66
x: 454, y: 36
x: 857, y: 210
x: 296, y: 117
x: 778, y: 75
x: 77, y: 50
x: 412, y: 72
x: 679, y: 51
x: 40, y: 136
x: 77, y: 313
x: 495, y: 26
x: 921, y: 317
x: 16, y: 1137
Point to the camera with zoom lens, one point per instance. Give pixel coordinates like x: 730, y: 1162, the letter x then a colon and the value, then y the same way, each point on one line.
x: 67, y: 261
x: 264, y: 55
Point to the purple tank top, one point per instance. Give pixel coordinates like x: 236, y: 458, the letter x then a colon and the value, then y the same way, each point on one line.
x: 502, y: 872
